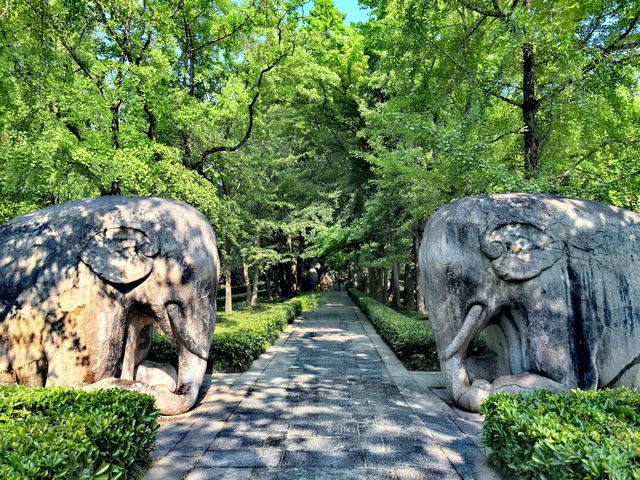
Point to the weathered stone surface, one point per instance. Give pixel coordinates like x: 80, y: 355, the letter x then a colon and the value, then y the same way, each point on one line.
x: 554, y: 282
x: 83, y: 283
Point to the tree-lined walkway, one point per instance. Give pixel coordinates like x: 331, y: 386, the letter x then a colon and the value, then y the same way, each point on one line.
x: 328, y: 400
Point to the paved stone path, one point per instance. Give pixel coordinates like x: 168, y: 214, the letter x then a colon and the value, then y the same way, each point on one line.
x: 328, y: 400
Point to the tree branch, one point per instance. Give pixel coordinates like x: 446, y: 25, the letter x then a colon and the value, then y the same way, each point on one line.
x: 247, y: 133
x: 144, y: 48
x: 497, y: 13
x: 606, y: 53
x: 470, y: 74
x: 564, y: 175
x: 75, y: 131
x: 85, y: 171
x: 500, y: 137
x: 630, y: 27
x: 83, y: 66
x: 224, y: 35
x: 179, y: 5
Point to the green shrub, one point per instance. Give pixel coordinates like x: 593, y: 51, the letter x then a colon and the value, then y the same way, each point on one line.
x: 241, y: 337
x: 410, y: 338
x: 52, y: 433
x: 162, y: 350
x: 573, y: 435
x: 308, y: 300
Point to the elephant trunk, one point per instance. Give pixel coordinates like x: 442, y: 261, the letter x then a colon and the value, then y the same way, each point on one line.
x: 192, y: 330
x: 191, y: 370
x: 468, y: 396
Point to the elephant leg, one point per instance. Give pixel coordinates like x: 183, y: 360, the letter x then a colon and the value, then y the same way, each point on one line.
x: 68, y: 356
x: 22, y: 357
x: 138, y: 342
x: 32, y: 374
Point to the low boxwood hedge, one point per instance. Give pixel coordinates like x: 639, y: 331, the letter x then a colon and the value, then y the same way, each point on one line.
x: 61, y: 433
x: 573, y: 435
x: 240, y: 338
x: 243, y: 336
x: 410, y: 338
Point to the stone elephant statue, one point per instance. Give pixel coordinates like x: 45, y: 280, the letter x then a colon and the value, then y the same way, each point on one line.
x: 553, y: 282
x: 83, y: 283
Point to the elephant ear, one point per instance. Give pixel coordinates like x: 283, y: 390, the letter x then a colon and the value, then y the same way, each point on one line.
x: 121, y: 255
x: 520, y: 251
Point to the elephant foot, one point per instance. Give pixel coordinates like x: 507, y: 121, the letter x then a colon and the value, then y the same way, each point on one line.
x: 150, y: 377
x: 161, y: 376
x: 110, y: 382
x: 471, y: 398
x: 525, y: 381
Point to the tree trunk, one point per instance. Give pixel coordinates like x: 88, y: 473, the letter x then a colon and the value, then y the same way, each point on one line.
x: 395, y: 284
x: 358, y: 278
x: 409, y: 286
x: 366, y: 280
x: 385, y: 285
x: 383, y: 278
x: 256, y: 281
x: 228, y: 294
x: 247, y: 284
x: 268, y: 285
x: 421, y: 304
x: 283, y: 280
x: 298, y: 267
x: 529, y: 110
x: 376, y: 283
x: 411, y: 276
x: 288, y: 277
x: 115, y: 123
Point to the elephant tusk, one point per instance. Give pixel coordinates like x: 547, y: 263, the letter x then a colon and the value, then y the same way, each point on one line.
x: 466, y: 332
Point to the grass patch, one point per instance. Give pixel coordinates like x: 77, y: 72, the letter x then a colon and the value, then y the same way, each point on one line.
x: 241, y: 337
x: 573, y: 435
x: 409, y: 337
x: 60, y: 433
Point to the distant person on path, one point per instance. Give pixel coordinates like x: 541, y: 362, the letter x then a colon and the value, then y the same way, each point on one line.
x: 339, y: 281
x: 325, y: 282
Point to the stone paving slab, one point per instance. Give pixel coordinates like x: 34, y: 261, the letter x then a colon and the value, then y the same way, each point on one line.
x: 328, y: 400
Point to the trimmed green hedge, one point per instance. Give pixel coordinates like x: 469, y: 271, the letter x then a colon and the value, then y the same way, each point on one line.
x: 240, y: 338
x: 61, y: 433
x: 573, y: 435
x: 244, y: 335
x: 410, y: 338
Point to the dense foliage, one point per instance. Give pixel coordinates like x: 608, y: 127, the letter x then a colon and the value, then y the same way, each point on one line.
x: 304, y: 139
x: 574, y: 435
x: 241, y: 337
x: 410, y: 338
x: 61, y: 433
